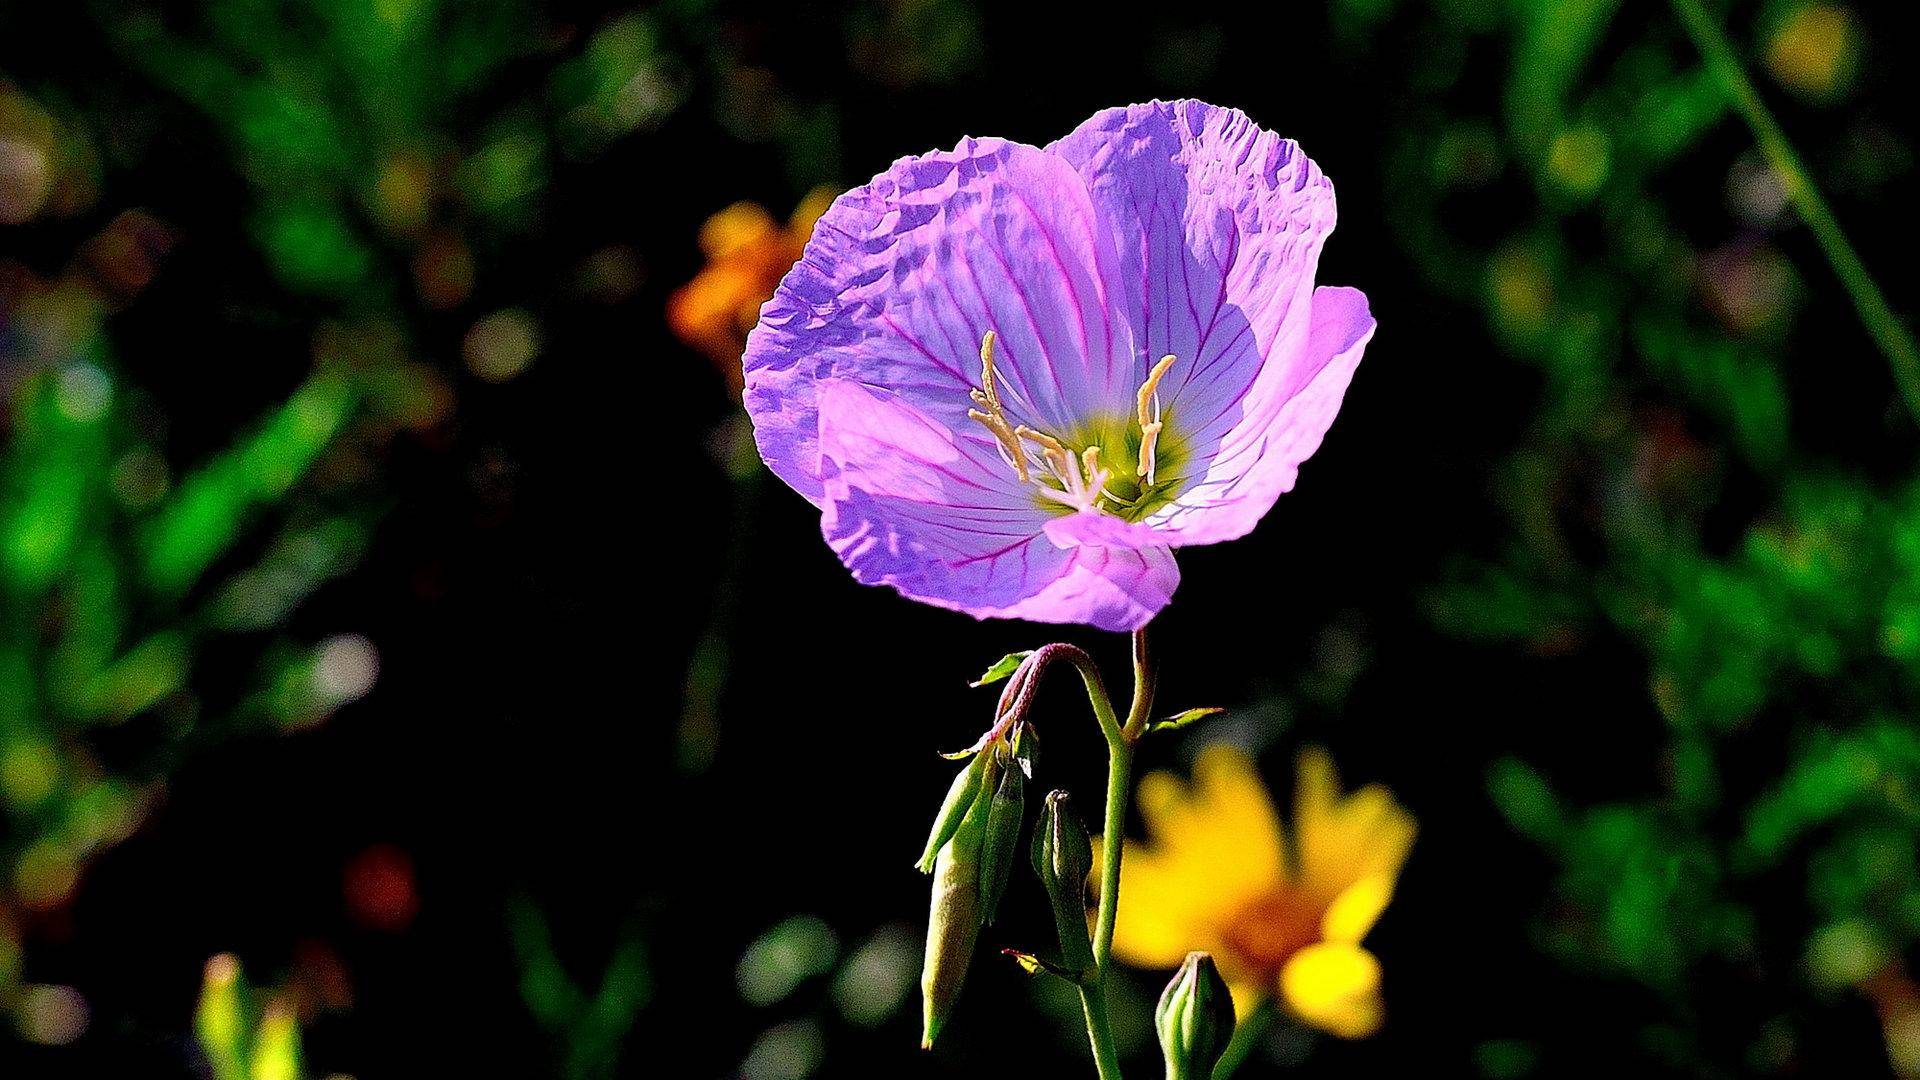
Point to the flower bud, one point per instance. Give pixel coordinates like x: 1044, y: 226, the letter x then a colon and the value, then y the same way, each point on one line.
x: 276, y: 1046
x: 1195, y: 1019
x: 1063, y: 857
x: 1005, y: 812
x: 954, y: 921
x: 219, y: 1022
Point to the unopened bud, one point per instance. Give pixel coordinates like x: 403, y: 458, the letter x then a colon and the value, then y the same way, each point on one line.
x: 1005, y: 812
x: 1063, y: 857
x: 954, y: 921
x: 276, y: 1047
x: 219, y: 1022
x: 1195, y: 1019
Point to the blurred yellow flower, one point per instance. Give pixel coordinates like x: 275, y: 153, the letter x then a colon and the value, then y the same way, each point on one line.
x: 1814, y: 49
x: 748, y: 252
x: 1282, y: 912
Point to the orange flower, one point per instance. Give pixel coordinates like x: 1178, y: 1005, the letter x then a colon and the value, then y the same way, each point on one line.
x: 748, y: 252
x: 1282, y: 911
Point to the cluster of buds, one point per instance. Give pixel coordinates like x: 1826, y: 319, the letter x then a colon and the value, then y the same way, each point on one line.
x: 970, y: 854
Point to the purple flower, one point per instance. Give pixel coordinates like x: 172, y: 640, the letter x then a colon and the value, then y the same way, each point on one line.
x: 1014, y: 379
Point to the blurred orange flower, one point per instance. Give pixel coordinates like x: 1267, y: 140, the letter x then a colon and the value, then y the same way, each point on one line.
x: 1282, y: 911
x: 748, y: 252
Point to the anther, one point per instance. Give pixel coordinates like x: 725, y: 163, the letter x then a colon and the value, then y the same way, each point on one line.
x: 991, y: 416
x: 1149, y: 409
x: 1044, y: 440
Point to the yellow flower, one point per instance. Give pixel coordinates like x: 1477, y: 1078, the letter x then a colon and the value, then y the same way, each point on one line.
x: 748, y: 252
x: 1282, y: 912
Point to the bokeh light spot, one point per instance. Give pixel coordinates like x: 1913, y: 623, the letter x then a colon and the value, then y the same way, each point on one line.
x: 52, y: 1015
x: 781, y: 959
x: 379, y: 887
x: 501, y: 345
x: 345, y: 667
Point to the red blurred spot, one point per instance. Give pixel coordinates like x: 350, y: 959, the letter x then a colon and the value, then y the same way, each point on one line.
x: 320, y: 980
x: 379, y: 888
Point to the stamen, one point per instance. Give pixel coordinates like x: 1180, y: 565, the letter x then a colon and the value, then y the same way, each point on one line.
x: 1097, y: 477
x: 991, y: 416
x: 1047, y: 442
x: 1150, y: 419
x: 986, y: 370
x: 1077, y: 480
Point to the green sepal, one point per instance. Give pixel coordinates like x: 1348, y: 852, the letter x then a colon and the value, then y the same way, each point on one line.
x: 1026, y: 748
x: 1002, y: 668
x: 960, y: 798
x: 1175, y: 723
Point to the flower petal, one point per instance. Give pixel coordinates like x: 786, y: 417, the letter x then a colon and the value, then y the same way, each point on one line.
x: 1102, y: 530
x: 1220, y: 830
x: 1279, y: 424
x: 1162, y: 915
x: 1343, y: 840
x: 1221, y: 824
x: 1223, y: 224
x: 1357, y: 908
x: 936, y: 515
x: 905, y: 275
x: 1336, y: 988
x: 1212, y: 848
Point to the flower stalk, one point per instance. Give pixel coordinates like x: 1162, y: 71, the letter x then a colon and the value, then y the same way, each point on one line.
x: 1869, y: 302
x: 1120, y: 740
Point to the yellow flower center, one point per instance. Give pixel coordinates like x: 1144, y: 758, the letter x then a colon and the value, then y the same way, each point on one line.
x: 1069, y: 472
x: 1266, y: 931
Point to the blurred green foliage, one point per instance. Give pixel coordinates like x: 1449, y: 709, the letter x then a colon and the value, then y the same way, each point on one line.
x: 379, y: 191
x: 588, y: 1028
x: 1779, y: 649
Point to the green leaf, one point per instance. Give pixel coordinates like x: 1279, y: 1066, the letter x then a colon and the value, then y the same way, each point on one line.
x: 1002, y: 668
x: 1038, y: 965
x: 1175, y: 723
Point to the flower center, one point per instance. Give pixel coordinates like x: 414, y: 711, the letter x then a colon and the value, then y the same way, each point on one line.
x: 1069, y: 470
x: 1265, y: 932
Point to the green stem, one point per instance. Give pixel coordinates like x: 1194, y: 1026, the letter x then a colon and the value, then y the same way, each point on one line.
x: 1878, y: 316
x: 1120, y: 740
x: 1246, y: 1035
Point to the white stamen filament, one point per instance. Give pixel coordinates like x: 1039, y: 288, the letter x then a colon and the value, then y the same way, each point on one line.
x: 1149, y: 396
x: 1082, y: 480
x: 994, y: 418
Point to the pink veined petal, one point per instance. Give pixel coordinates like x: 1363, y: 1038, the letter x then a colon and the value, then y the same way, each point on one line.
x: 1284, y: 419
x: 1220, y: 225
x: 1115, y: 589
x: 1101, y: 529
x: 909, y: 505
x: 904, y: 276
